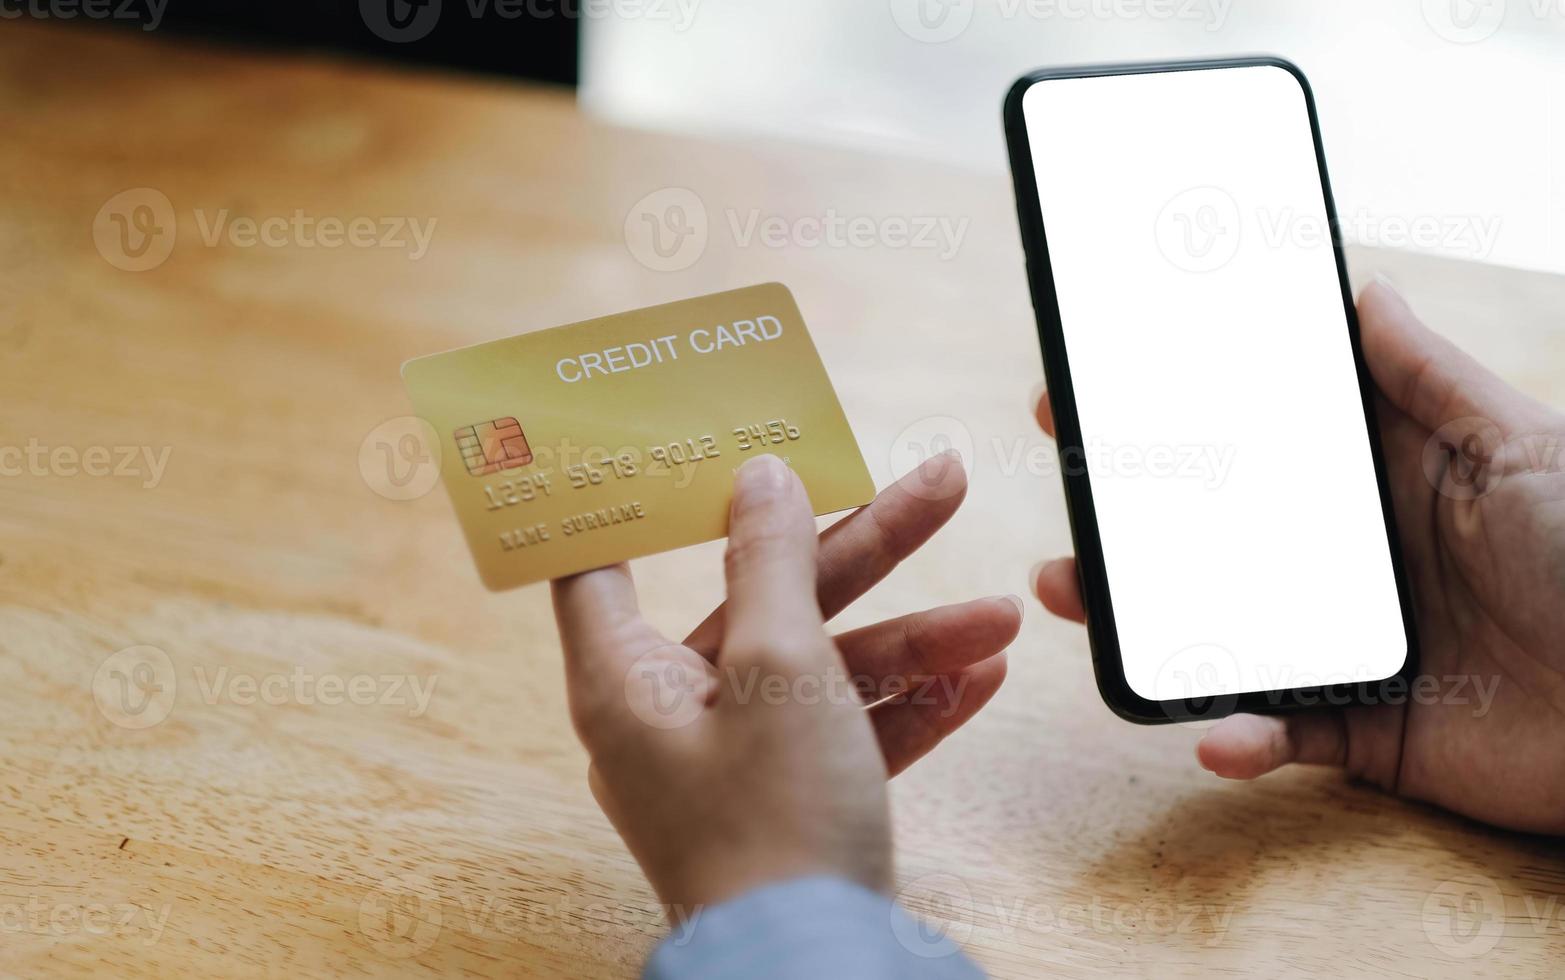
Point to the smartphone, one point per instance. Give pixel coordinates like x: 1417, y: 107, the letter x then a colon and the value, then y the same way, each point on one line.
x: 1215, y: 421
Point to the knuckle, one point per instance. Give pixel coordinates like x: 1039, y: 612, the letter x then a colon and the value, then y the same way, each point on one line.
x: 927, y: 724
x: 766, y: 652
x: 588, y: 717
x: 757, y: 547
x: 888, y: 540
x: 916, y: 638
x: 775, y: 654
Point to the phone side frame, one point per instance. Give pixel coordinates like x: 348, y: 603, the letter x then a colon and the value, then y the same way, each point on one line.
x: 1102, y: 631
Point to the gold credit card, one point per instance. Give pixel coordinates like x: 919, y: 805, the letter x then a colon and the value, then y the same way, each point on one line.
x: 581, y: 446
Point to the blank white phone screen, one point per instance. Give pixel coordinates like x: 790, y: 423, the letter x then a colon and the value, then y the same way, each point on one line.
x: 1223, y: 433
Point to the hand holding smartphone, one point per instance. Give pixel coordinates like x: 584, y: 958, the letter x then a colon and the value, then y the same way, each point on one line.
x: 1215, y: 420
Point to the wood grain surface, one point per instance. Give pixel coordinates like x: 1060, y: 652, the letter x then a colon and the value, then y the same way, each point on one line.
x: 297, y: 808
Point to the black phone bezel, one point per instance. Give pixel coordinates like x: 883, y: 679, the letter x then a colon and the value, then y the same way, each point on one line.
x: 1103, y: 635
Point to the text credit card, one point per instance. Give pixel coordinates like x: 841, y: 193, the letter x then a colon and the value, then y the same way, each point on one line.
x: 588, y: 444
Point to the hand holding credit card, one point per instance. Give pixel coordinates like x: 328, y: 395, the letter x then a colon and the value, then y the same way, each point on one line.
x: 588, y: 444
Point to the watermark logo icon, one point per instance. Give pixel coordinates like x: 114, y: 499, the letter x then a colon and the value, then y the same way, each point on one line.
x: 135, y: 229
x: 1464, y: 21
x: 400, y: 458
x: 665, y: 688
x: 134, y: 688
x: 1199, y: 230
x: 1465, y: 916
x: 400, y: 21
x: 1204, y: 679
x: 936, y: 435
x: 939, y: 916
x: 1459, y: 458
x: 932, y: 21
x: 666, y: 231
x: 401, y: 918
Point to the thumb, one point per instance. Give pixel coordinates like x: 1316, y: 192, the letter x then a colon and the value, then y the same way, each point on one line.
x: 1424, y: 375
x: 1247, y: 746
x: 770, y: 563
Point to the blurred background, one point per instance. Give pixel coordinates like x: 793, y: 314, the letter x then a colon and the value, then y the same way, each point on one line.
x: 1441, y: 117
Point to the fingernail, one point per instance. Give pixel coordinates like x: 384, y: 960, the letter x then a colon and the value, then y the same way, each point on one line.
x: 1038, y: 391
x: 1016, y: 600
x: 1199, y: 758
x: 1032, y: 576
x: 1386, y: 282
x: 936, y: 465
x: 759, y: 481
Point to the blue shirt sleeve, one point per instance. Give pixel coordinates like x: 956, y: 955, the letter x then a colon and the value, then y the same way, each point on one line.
x: 808, y: 929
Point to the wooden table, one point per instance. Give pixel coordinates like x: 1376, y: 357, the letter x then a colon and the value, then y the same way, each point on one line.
x: 260, y: 828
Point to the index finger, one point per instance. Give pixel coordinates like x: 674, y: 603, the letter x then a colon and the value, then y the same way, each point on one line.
x: 861, y: 549
x: 1426, y: 376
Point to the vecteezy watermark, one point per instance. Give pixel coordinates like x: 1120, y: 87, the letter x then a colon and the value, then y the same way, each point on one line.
x: 1461, y: 458
x: 304, y: 230
x: 1464, y: 21
x: 1199, y: 230
x: 135, y: 230
x: 935, y: 437
x: 137, y: 687
x: 223, y: 685
x: 938, y: 233
x: 1465, y: 916
x: 932, y: 21
x: 931, y: 436
x: 401, y: 918
x: 1344, y: 688
x: 147, y: 13
x: 400, y: 458
x: 144, y: 463
x: 1203, y: 682
x: 57, y: 919
x: 1467, y: 458
x: 1468, y: 915
x: 1471, y: 236
x: 666, y: 689
x: 1207, y: 464
x: 404, y: 21
x: 668, y: 230
x: 405, y: 915
x: 1472, y: 21
x: 1203, y: 228
x: 669, y: 687
x: 938, y: 21
x: 935, y: 914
